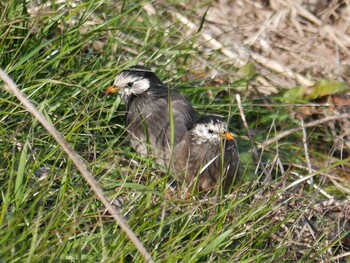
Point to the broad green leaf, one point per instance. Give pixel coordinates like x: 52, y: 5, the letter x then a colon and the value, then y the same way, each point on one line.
x: 326, y: 87
x: 247, y: 71
x: 294, y: 94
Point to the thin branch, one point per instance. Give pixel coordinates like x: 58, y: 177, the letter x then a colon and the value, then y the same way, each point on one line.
x: 245, y: 124
x: 254, y: 148
x: 332, y: 178
x: 311, y: 183
x: 344, y: 255
x: 307, y: 177
x: 308, y: 125
x: 306, y: 149
x: 87, y: 175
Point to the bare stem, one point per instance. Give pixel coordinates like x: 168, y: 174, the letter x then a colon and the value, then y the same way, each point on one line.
x: 76, y: 159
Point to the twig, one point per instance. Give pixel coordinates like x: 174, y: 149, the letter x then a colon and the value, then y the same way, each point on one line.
x: 313, y: 185
x: 306, y: 149
x: 240, y: 107
x: 87, y: 175
x: 254, y: 148
x: 345, y: 255
x: 308, y: 125
x: 307, y: 177
x: 332, y: 178
x: 280, y: 165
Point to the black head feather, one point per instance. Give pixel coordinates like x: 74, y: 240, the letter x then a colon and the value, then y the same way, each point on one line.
x: 210, y: 118
x: 143, y: 72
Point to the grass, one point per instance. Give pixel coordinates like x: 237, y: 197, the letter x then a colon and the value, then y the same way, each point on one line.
x: 62, y: 55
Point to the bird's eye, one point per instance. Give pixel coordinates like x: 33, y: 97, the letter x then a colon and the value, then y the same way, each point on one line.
x: 210, y: 131
x: 129, y: 84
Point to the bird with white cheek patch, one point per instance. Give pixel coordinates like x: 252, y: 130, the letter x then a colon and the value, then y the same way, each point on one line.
x: 207, y: 156
x: 147, y: 112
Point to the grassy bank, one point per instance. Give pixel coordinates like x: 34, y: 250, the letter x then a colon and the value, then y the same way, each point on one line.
x: 62, y: 55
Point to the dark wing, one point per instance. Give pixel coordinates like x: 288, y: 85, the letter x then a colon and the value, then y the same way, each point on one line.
x: 183, y: 108
x: 147, y: 120
x: 180, y: 164
x: 184, y: 118
x: 232, y: 164
x: 137, y: 128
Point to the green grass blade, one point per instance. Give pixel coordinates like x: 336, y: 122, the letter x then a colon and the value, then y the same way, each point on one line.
x: 19, y: 184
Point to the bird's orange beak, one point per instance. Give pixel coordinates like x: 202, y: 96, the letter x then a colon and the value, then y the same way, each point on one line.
x: 228, y: 136
x: 110, y: 90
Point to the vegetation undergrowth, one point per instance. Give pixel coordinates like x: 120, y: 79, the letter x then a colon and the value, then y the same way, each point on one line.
x: 63, y: 55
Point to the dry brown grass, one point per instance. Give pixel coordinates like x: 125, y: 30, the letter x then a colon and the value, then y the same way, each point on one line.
x: 291, y: 42
x: 200, y: 45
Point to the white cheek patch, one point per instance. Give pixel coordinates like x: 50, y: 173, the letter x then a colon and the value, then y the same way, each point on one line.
x: 202, y: 132
x: 139, y: 84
